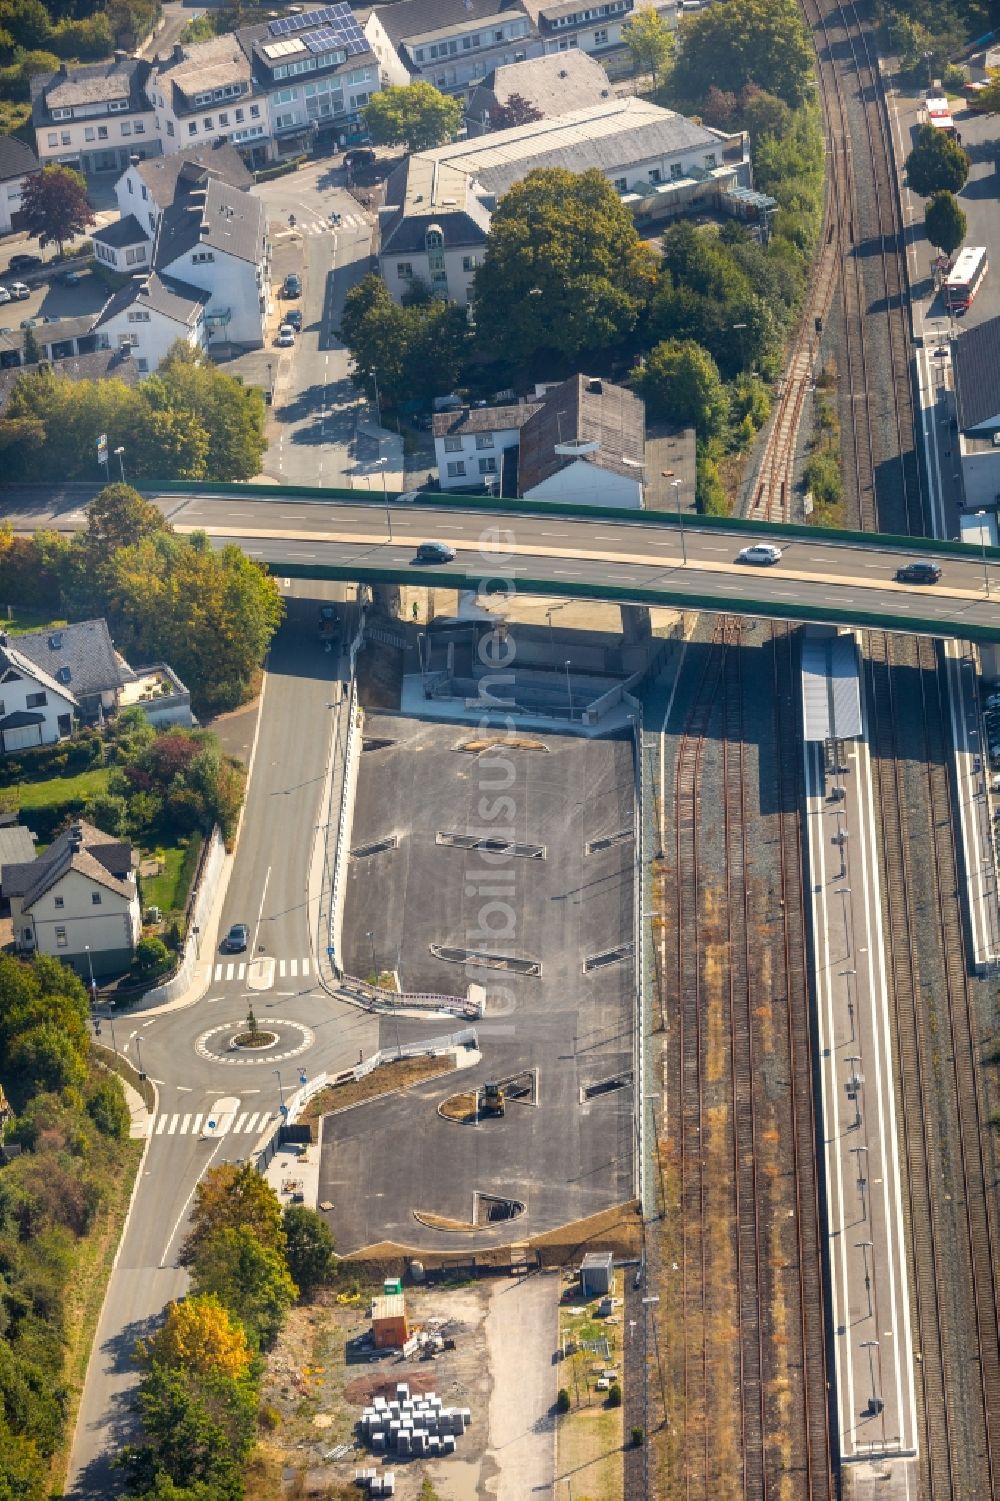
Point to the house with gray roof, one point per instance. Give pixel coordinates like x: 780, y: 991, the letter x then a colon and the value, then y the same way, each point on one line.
x: 657, y: 160
x: 77, y: 901
x: 94, y: 118
x: 35, y: 708
x: 190, y: 219
x: 552, y: 86
x: 17, y: 162
x: 452, y: 44
x: 80, y: 657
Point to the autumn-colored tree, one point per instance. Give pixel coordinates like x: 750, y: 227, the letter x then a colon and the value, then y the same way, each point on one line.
x: 231, y: 1197
x: 250, y: 1278
x: 54, y: 205
x: 118, y: 516
x: 200, y: 1335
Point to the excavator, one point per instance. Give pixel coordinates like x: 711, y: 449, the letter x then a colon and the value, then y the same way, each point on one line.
x: 492, y: 1100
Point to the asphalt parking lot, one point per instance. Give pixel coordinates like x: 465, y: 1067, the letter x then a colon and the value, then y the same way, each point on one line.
x: 53, y: 299
x: 562, y: 1155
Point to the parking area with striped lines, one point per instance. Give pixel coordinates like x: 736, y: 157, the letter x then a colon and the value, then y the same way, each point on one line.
x: 285, y: 969
x: 180, y: 1124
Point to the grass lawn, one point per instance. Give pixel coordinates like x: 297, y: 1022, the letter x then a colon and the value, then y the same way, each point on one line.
x: 61, y: 789
x: 22, y: 619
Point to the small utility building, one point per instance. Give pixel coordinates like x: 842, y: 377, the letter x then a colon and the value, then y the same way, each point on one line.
x: 389, y: 1326
x: 597, y: 1274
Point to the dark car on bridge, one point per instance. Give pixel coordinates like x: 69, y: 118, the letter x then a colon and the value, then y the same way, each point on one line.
x: 918, y: 573
x: 434, y: 552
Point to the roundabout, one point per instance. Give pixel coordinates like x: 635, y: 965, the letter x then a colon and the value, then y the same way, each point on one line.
x: 232, y: 1044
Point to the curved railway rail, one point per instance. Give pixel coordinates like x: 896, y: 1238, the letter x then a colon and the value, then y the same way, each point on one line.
x: 750, y: 1302
x: 847, y: 63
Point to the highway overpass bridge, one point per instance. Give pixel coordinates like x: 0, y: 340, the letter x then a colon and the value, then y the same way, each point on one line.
x: 647, y: 558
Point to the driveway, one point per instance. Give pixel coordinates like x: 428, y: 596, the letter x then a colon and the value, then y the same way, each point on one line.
x: 521, y: 1331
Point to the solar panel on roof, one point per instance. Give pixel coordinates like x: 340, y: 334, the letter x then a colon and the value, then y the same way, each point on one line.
x: 329, y: 15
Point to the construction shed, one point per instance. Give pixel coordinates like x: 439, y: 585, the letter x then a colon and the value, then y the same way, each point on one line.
x: 597, y: 1274
x: 389, y: 1327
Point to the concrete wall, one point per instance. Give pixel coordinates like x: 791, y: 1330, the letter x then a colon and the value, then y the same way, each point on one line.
x: 211, y: 869
x: 981, y: 478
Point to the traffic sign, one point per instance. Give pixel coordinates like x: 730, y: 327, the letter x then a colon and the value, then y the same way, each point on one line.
x: 302, y: 1076
x: 210, y: 1126
x: 102, y: 449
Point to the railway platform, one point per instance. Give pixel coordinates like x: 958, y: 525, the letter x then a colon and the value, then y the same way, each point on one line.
x: 874, y: 1411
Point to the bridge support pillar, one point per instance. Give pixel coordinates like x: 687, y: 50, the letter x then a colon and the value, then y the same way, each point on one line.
x: 636, y: 625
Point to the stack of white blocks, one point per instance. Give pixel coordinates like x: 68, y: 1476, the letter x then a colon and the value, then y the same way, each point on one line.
x: 419, y: 1425
x: 376, y: 1484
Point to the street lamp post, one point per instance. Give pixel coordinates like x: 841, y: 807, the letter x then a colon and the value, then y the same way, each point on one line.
x: 138, y: 1049
x: 382, y: 462
x: 870, y: 1345
x: 844, y: 892
x: 864, y: 1246
x: 281, y: 1093
x: 740, y: 329
x: 847, y: 973
x: 569, y: 689
x: 93, y: 982
x: 862, y: 1181
x: 854, y: 1059
x: 983, y: 516
x: 121, y: 461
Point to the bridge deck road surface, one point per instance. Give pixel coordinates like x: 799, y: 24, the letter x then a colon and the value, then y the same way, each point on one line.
x: 267, y: 890
x: 553, y: 554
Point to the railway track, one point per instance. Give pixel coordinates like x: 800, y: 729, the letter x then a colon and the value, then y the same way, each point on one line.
x: 952, y: 1238
x: 879, y: 413
x: 750, y: 1373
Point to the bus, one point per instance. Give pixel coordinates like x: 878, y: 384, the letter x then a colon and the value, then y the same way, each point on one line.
x: 939, y: 115
x: 965, y: 278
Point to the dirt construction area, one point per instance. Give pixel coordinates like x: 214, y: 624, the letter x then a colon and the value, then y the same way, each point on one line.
x: 500, y: 1337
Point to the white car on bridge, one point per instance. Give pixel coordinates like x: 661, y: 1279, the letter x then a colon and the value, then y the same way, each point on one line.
x: 761, y: 553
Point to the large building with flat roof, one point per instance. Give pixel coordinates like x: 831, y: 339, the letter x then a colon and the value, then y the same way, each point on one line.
x: 431, y: 230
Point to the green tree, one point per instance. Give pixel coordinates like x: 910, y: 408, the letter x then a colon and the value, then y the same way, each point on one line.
x: 232, y: 414
x: 197, y: 1430
x: 118, y: 516
x: 738, y: 42
x: 250, y: 1278
x: 681, y: 381
x: 945, y: 222
x: 31, y: 347
x: 107, y: 1107
x: 710, y: 493
x: 231, y: 1197
x: 23, y: 1472
x: 47, y: 1059
x: 26, y: 21
x: 564, y: 271
x: 414, y: 115
x: 54, y: 205
x: 650, y: 42
x: 412, y: 353
x: 309, y: 1248
x: 988, y: 99
x: 152, y: 957
x: 937, y: 164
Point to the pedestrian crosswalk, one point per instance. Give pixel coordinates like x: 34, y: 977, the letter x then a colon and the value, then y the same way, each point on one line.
x: 247, y: 1123
x: 285, y: 969
x: 324, y: 227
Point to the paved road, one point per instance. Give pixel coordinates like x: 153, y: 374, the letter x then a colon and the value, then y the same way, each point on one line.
x: 184, y: 1051
x: 322, y: 430
x: 522, y: 1328
x: 552, y: 554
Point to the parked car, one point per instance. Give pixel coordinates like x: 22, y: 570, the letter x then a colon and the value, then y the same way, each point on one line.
x: 360, y: 156
x: 286, y: 336
x: 763, y: 554
x: 72, y: 278
x: 24, y: 263
x: 918, y: 573
x: 19, y: 291
x: 292, y: 286
x: 293, y: 319
x: 5, y: 295
x: 236, y: 939
x: 435, y: 552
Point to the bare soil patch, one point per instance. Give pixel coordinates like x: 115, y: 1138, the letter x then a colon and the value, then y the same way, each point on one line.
x: 382, y: 1080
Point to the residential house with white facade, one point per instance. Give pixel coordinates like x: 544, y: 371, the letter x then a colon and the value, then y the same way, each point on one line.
x: 580, y: 442
x: 657, y: 160
x: 35, y: 709
x: 189, y: 219
x: 570, y: 25
x: 78, y: 901
x: 452, y: 44
x: 17, y: 162
x: 94, y: 118
x: 203, y: 92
